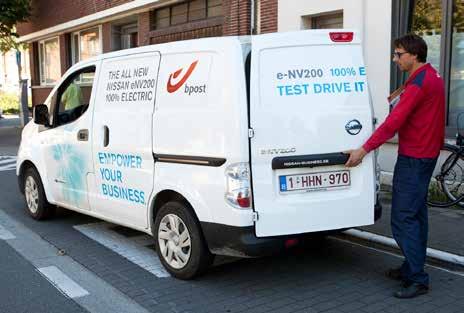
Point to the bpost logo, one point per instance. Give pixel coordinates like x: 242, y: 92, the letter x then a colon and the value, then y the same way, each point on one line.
x: 189, y: 89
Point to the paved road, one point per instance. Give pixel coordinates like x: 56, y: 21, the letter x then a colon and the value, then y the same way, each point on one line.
x: 119, y: 271
x: 9, y: 140
x: 23, y: 289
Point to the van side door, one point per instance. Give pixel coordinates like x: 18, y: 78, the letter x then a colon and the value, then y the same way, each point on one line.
x: 122, y: 138
x: 65, y: 144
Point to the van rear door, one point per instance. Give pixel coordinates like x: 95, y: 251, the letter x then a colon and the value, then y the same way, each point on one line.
x: 309, y: 102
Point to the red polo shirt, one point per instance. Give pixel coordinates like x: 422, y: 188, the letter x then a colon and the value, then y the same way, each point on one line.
x: 419, y: 117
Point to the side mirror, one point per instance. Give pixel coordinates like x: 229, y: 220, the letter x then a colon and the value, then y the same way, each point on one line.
x: 40, y: 114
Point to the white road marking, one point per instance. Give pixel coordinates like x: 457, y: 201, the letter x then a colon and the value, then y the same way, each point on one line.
x: 7, y: 163
x: 62, y: 282
x: 5, y: 234
x: 129, y: 248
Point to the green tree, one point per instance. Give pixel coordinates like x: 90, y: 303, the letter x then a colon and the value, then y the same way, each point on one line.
x: 11, y: 13
x: 426, y: 19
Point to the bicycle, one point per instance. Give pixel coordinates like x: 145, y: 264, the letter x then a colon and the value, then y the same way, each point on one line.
x: 447, y: 187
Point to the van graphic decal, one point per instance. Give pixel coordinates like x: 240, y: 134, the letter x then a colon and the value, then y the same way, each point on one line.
x: 174, y: 87
x: 71, y: 171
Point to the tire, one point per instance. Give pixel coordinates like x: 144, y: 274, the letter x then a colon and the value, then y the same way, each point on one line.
x: 36, y: 202
x: 447, y: 189
x: 454, y: 188
x: 182, y: 248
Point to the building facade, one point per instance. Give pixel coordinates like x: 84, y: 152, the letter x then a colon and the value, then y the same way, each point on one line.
x: 62, y: 32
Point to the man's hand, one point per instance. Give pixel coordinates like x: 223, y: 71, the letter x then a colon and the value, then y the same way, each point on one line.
x: 356, y: 157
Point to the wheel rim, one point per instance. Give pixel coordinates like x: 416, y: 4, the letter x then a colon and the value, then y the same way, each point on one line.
x: 32, y: 194
x: 452, y: 183
x: 174, y: 241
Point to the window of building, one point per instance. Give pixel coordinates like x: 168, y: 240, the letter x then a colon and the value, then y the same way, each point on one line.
x: 426, y: 22
x: 162, y: 18
x: 179, y: 14
x: 214, y: 8
x: 183, y: 13
x: 323, y: 21
x: 456, y: 74
x: 124, y: 34
x: 49, y: 61
x: 86, y: 44
x: 129, y: 36
x: 197, y: 10
x: 441, y: 24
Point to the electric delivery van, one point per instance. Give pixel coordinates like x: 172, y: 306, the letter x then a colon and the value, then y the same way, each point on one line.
x: 229, y: 146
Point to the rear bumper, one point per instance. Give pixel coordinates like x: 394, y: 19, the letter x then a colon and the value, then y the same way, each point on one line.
x: 242, y: 241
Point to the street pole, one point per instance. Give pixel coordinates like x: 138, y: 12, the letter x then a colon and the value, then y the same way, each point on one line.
x: 23, y: 107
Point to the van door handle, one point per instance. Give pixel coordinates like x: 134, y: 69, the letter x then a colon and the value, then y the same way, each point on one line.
x: 309, y: 160
x: 106, y: 136
x: 83, y: 135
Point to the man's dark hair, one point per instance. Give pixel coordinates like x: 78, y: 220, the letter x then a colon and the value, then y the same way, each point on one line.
x: 413, y: 44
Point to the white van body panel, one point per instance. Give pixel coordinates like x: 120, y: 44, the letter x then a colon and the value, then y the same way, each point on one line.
x: 212, y: 95
x: 199, y: 186
x: 301, y: 105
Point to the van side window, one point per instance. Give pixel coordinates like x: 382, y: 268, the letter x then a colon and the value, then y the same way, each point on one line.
x: 74, y: 96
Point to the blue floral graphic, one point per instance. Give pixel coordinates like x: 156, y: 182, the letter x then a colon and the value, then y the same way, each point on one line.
x: 71, y: 172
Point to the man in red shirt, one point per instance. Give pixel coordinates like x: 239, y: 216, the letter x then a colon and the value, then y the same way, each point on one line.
x: 419, y: 119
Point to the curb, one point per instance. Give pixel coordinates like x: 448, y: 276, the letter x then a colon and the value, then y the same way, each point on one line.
x: 387, y: 241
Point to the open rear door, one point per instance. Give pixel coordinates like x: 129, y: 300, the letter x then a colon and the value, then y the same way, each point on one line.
x: 309, y: 102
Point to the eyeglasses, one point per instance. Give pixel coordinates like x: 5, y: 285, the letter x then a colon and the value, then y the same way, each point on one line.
x: 398, y: 54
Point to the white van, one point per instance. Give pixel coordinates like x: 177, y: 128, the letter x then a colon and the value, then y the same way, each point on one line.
x: 228, y: 145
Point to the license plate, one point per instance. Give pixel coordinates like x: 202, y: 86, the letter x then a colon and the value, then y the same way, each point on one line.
x: 315, y: 181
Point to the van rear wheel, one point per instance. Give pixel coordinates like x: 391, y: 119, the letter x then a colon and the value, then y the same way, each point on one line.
x: 36, y: 201
x: 179, y: 241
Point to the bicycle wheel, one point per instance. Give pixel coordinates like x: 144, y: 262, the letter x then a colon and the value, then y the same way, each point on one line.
x: 447, y: 185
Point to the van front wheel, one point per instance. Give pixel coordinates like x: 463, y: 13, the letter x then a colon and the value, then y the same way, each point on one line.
x: 179, y: 241
x: 36, y: 201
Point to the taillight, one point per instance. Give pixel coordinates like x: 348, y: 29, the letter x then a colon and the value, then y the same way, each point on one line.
x: 291, y: 242
x: 238, y: 193
x: 341, y: 36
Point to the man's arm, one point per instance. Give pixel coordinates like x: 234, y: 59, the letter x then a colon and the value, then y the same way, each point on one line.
x: 411, y: 96
x: 408, y: 101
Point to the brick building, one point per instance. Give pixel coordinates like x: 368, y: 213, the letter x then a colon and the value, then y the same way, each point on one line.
x: 61, y: 32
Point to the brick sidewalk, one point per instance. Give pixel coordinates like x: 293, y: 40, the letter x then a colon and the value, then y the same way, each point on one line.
x: 445, y: 226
